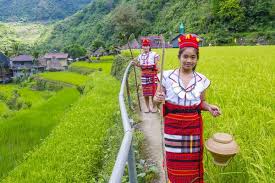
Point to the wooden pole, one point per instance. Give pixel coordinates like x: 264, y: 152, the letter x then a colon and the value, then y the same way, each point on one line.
x: 132, y: 56
x: 162, y: 125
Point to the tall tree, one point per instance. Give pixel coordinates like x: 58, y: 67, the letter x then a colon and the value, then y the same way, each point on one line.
x: 75, y: 50
x: 127, y: 21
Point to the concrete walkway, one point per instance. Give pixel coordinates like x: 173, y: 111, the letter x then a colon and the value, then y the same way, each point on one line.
x: 151, y: 127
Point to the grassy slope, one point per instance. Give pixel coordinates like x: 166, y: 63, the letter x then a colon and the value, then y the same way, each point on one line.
x: 22, y: 132
x: 33, y: 97
x: 23, y: 33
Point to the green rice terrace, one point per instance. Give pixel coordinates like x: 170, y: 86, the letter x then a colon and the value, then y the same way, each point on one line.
x: 22, y: 34
x: 66, y: 126
x: 59, y: 114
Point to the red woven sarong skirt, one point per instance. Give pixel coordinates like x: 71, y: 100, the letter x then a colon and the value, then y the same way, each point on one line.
x: 149, y: 80
x: 183, y: 143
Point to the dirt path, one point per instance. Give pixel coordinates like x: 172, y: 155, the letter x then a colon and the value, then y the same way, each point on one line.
x: 151, y: 127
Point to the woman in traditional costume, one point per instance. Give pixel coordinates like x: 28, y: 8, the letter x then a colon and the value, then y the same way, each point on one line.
x: 147, y: 61
x: 183, y: 94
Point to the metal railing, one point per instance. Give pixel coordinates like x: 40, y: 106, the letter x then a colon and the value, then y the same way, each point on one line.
x: 126, y: 152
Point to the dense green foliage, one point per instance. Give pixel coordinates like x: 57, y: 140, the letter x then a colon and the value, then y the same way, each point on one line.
x: 75, y: 50
x: 83, y: 27
x: 219, y: 22
x: 20, y: 133
x: 41, y: 10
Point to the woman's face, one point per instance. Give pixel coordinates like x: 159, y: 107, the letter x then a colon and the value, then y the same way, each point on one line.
x: 146, y: 49
x: 188, y: 58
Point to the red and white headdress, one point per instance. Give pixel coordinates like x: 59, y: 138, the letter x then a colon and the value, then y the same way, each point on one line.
x: 146, y: 42
x: 188, y: 40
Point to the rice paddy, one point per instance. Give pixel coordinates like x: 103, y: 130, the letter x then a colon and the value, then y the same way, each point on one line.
x: 65, y: 77
x: 105, y: 66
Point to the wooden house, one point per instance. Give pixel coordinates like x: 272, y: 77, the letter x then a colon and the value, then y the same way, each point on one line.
x: 56, y: 61
x: 24, y: 65
x: 5, y: 72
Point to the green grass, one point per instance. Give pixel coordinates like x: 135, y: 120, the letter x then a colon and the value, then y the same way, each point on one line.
x: 26, y: 95
x: 66, y: 77
x: 108, y: 58
x: 79, y: 147
x: 34, y: 97
x: 3, y: 108
x: 106, y: 66
x: 26, y: 129
x: 6, y: 90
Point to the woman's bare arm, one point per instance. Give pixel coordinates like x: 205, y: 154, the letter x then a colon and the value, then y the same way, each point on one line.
x: 214, y: 110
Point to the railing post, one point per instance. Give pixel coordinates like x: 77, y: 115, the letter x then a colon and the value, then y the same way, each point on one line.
x: 132, y: 165
x: 132, y: 160
x: 128, y: 95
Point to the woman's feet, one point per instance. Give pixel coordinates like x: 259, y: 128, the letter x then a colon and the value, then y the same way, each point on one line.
x: 146, y: 110
x: 153, y: 109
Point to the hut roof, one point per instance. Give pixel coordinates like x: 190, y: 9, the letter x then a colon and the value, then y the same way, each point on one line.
x: 22, y: 58
x: 56, y: 55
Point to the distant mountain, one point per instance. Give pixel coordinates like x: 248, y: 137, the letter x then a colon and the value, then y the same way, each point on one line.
x: 219, y: 22
x: 39, y: 10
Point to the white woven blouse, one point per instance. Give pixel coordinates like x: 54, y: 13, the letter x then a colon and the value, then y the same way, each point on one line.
x: 177, y: 93
x: 149, y: 58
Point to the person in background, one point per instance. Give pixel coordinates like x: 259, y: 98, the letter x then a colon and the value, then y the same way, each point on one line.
x: 148, y: 61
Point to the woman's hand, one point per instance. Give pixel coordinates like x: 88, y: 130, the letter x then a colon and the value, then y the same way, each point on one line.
x: 159, y: 97
x: 214, y: 110
x: 136, y: 63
